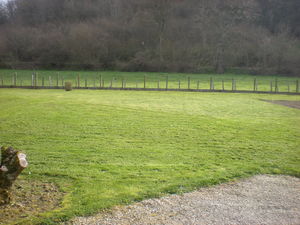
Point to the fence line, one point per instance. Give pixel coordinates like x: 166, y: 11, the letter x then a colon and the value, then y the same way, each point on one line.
x: 111, y: 85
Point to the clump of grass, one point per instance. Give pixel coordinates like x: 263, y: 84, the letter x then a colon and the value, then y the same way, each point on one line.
x: 68, y: 86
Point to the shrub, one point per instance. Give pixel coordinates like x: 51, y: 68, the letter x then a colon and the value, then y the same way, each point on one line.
x: 68, y: 86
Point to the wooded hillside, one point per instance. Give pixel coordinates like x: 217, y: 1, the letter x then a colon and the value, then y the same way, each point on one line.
x: 255, y: 36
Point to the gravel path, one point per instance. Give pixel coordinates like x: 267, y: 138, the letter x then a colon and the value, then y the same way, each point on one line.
x: 261, y: 199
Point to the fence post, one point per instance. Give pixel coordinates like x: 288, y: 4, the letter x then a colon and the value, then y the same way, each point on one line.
x: 144, y: 81
x: 32, y: 80
x: 189, y: 83
x: 15, y: 79
x: 211, y: 84
x: 297, y: 86
x: 271, y: 86
x: 36, y: 79
x: 57, y: 79
x: 167, y: 82
x: 276, y: 85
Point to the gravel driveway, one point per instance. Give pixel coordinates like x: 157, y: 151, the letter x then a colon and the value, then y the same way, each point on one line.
x: 262, y: 199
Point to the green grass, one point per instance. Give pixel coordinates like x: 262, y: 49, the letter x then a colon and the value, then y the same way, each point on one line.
x: 243, y: 82
x: 105, y: 148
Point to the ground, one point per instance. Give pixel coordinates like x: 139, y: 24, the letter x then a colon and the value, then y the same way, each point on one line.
x: 261, y: 199
x: 108, y: 148
x: 30, y: 198
x: 292, y: 104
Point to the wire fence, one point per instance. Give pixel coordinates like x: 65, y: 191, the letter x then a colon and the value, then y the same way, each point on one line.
x: 155, y: 84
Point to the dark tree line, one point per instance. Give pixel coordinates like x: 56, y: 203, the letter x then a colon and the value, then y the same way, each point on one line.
x: 257, y: 36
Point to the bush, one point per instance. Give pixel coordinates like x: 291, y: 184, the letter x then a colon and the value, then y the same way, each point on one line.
x: 68, y: 86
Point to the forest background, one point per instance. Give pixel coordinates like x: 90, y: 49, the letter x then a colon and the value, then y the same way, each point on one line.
x: 193, y: 36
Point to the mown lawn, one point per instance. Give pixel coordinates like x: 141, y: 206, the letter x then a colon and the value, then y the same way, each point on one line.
x: 105, y: 148
x: 153, y: 80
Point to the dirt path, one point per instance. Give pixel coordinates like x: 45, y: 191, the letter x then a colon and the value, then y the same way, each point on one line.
x: 292, y: 104
x: 263, y: 199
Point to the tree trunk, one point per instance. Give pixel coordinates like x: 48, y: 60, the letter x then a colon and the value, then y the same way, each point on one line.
x: 12, y: 164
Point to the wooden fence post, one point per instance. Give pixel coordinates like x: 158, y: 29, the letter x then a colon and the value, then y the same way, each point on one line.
x: 57, y: 79
x: 189, y: 83
x: 271, y: 86
x: 32, y: 80
x: 36, y: 79
x: 167, y: 82
x: 15, y: 79
x: 211, y: 84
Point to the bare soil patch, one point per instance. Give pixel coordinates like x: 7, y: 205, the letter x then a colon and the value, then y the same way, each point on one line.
x: 292, y: 104
x: 30, y: 198
x: 263, y: 199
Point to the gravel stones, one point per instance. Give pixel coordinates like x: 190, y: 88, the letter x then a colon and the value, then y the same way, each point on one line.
x: 263, y: 199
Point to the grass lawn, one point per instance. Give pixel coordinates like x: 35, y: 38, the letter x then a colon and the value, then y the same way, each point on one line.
x: 105, y: 148
x: 136, y: 79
